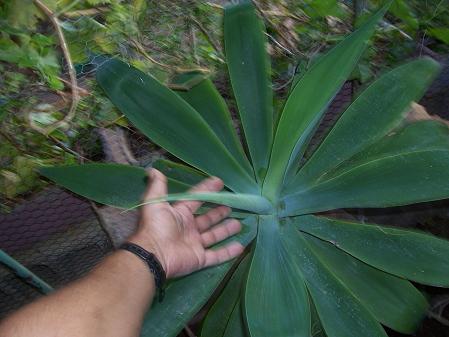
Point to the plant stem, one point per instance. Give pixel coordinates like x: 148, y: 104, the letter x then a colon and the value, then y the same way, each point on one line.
x: 24, y: 273
x: 71, y: 69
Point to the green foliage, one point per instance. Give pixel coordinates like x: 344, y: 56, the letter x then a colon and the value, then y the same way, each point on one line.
x: 304, y: 271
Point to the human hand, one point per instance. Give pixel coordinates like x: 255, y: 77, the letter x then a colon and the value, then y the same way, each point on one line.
x: 180, y: 240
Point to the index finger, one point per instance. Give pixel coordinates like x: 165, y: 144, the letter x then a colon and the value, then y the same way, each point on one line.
x: 212, y: 184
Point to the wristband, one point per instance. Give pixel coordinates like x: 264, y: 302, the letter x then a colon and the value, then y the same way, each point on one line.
x: 152, y: 262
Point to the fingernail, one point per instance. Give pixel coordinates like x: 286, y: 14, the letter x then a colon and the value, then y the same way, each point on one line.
x: 215, y: 179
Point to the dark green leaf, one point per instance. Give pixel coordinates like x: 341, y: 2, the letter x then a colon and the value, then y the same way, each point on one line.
x: 182, y: 130
x: 409, y: 254
x: 110, y: 184
x: 308, y: 101
x: 179, y: 172
x: 205, y: 99
x: 407, y: 167
x: 371, y: 116
x: 341, y: 314
x: 393, y: 301
x: 276, y: 300
x: 249, y: 69
x: 224, y: 314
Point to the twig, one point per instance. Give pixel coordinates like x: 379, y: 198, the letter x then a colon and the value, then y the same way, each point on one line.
x: 82, y: 91
x: 206, y: 35
x: 66, y: 148
x: 273, y: 26
x: 72, y: 73
x: 85, y: 12
x: 194, y: 43
x: 270, y: 13
x: 11, y: 141
x: 277, y: 43
x: 213, y: 5
x: 142, y: 51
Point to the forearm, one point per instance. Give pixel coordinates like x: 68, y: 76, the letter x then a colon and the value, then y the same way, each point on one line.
x: 110, y: 301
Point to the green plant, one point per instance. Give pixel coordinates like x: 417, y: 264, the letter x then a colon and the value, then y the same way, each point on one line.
x: 306, y: 274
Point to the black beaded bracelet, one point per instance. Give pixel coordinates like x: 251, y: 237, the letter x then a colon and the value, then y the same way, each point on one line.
x: 152, y: 262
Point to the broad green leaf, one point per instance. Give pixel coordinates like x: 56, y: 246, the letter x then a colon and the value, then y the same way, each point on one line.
x: 409, y: 254
x: 308, y: 101
x: 402, y: 10
x: 248, y: 202
x: 223, y: 316
x: 205, y: 99
x: 179, y: 172
x: 371, y: 116
x: 276, y: 300
x: 407, y: 167
x: 184, y: 297
x: 110, y: 184
x: 341, y: 314
x: 250, y: 71
x: 171, y: 123
x: 393, y: 301
x: 441, y: 33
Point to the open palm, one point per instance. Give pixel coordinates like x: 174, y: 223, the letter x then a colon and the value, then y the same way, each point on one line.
x: 180, y: 240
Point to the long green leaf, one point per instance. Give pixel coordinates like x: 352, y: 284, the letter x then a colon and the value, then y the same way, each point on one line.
x: 308, y: 101
x: 393, y: 301
x: 371, y: 116
x: 171, y: 123
x: 341, y: 314
x: 224, y: 316
x: 110, y: 184
x: 409, y: 254
x: 276, y: 300
x: 236, y: 326
x: 184, y: 297
x: 205, y: 99
x: 249, y: 70
x: 179, y: 172
x: 248, y: 202
x: 407, y: 167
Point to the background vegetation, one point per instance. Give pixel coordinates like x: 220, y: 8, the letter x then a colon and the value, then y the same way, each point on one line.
x: 49, y: 50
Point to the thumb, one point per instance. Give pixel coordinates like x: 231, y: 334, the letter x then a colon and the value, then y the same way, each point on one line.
x: 157, y: 185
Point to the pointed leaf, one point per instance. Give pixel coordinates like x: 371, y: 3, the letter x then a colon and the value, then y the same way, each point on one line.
x: 182, y: 130
x: 393, y: 301
x: 371, y: 116
x: 248, y: 202
x: 249, y: 69
x: 224, y: 317
x: 407, y: 167
x: 276, y: 300
x: 205, y: 99
x: 184, y: 297
x: 341, y: 314
x: 236, y: 326
x: 179, y: 172
x: 308, y: 101
x: 409, y: 254
x: 110, y: 184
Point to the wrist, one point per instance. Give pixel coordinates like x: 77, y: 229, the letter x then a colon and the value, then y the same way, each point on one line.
x: 151, y: 246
